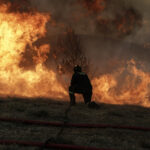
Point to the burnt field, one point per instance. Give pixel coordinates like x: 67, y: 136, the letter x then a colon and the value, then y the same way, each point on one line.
x: 54, y: 111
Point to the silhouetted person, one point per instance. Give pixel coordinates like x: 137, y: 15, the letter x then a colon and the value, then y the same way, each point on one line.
x: 80, y: 84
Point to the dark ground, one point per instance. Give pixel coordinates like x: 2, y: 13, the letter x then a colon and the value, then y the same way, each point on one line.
x: 49, y: 110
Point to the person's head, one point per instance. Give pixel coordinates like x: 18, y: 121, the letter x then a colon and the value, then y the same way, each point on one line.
x: 77, y: 68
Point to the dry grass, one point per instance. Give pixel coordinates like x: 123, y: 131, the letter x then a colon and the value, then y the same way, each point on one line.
x: 48, y: 110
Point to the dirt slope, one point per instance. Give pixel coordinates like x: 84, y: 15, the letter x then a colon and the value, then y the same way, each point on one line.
x: 49, y: 110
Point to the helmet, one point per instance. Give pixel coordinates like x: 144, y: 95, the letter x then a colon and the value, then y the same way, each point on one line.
x: 77, y: 68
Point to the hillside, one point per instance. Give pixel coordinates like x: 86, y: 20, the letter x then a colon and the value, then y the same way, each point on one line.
x: 50, y: 110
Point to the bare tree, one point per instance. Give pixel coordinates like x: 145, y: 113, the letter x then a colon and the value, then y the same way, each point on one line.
x: 70, y: 51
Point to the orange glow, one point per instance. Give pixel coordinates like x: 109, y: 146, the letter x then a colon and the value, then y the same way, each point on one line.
x: 126, y: 23
x: 133, y: 88
x: 17, y: 30
x: 95, y: 5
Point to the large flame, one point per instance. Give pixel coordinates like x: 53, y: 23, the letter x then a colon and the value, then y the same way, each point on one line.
x: 128, y: 85
x: 17, y: 30
x: 20, y: 30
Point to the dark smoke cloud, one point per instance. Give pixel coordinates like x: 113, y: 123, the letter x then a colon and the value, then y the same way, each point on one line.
x: 113, y: 17
x: 108, y: 30
x: 17, y: 5
x: 122, y: 25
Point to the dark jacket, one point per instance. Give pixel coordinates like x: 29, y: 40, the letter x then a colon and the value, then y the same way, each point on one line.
x: 81, y: 82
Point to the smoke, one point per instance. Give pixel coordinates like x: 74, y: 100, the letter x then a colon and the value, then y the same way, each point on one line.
x: 107, y: 29
x: 111, y: 31
x: 103, y: 36
x: 113, y: 18
x: 17, y: 5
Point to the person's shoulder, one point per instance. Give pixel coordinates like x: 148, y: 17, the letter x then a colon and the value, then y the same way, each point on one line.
x: 75, y: 75
x: 82, y: 73
x: 79, y: 74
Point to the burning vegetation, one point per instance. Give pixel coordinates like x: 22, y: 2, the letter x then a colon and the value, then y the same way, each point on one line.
x: 68, y: 51
x: 18, y: 32
x: 29, y: 68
